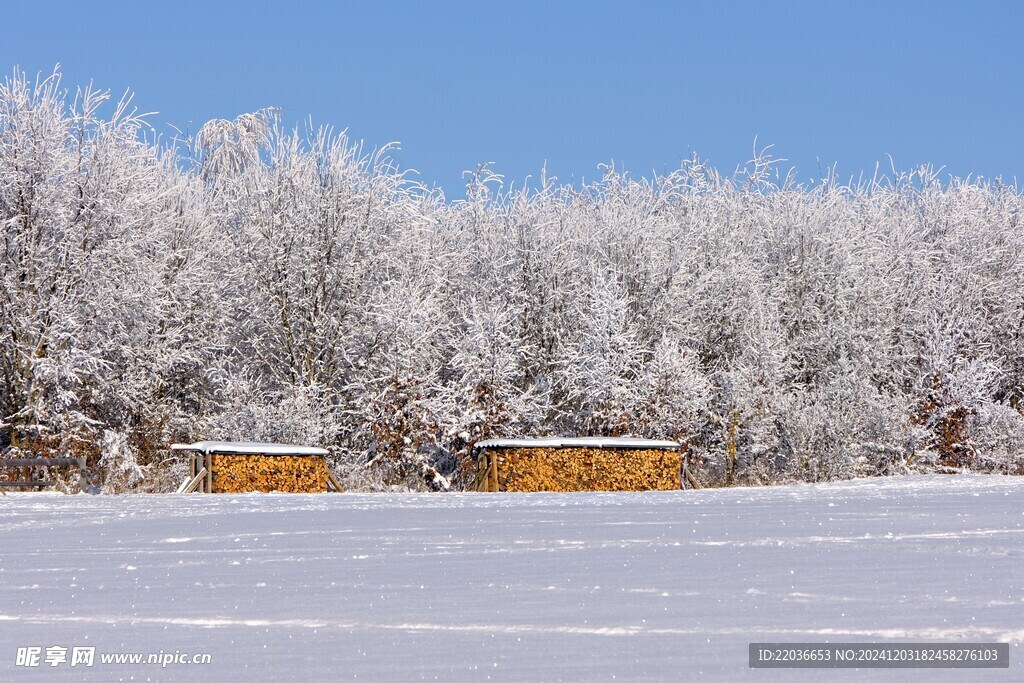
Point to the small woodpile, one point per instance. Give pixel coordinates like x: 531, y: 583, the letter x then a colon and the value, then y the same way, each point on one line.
x: 587, y: 464
x: 240, y: 467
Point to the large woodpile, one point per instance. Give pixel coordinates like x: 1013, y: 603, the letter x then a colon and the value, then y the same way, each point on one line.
x: 578, y: 469
x: 265, y: 473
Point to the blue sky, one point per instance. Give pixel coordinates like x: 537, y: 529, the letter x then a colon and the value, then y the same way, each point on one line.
x: 575, y: 84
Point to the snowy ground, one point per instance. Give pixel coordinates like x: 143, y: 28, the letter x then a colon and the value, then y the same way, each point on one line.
x: 513, y: 587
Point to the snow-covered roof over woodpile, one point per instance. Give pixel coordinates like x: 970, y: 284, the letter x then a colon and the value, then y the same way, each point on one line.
x: 248, y: 448
x: 579, y: 442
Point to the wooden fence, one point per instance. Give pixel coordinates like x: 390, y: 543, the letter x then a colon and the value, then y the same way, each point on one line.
x: 27, y: 470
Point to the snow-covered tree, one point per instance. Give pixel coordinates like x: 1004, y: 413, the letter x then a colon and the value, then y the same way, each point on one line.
x: 259, y: 282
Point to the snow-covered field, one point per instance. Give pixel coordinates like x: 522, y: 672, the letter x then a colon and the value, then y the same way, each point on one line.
x: 513, y: 587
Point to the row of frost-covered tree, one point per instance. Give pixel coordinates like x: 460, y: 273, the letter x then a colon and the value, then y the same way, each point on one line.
x: 257, y: 283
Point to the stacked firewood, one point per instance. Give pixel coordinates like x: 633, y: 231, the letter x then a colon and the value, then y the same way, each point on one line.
x: 287, y: 473
x: 581, y: 469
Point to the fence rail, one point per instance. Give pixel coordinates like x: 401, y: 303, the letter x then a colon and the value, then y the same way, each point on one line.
x: 41, y: 462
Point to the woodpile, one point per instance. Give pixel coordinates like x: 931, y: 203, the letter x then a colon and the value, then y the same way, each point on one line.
x: 578, y: 469
x: 266, y: 473
x: 248, y: 466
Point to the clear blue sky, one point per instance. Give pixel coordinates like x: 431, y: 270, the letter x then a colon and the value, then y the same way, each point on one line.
x: 573, y: 83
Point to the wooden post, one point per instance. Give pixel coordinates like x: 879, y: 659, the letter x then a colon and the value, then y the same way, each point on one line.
x: 194, y: 483
x: 689, y: 477
x: 494, y: 470
x: 209, y: 473
x: 481, y: 476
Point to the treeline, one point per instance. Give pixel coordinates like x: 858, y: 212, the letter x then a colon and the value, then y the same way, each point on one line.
x: 260, y: 283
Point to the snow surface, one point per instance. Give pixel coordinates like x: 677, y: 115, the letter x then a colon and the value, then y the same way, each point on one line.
x: 514, y: 587
x: 578, y: 442
x: 248, y: 448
